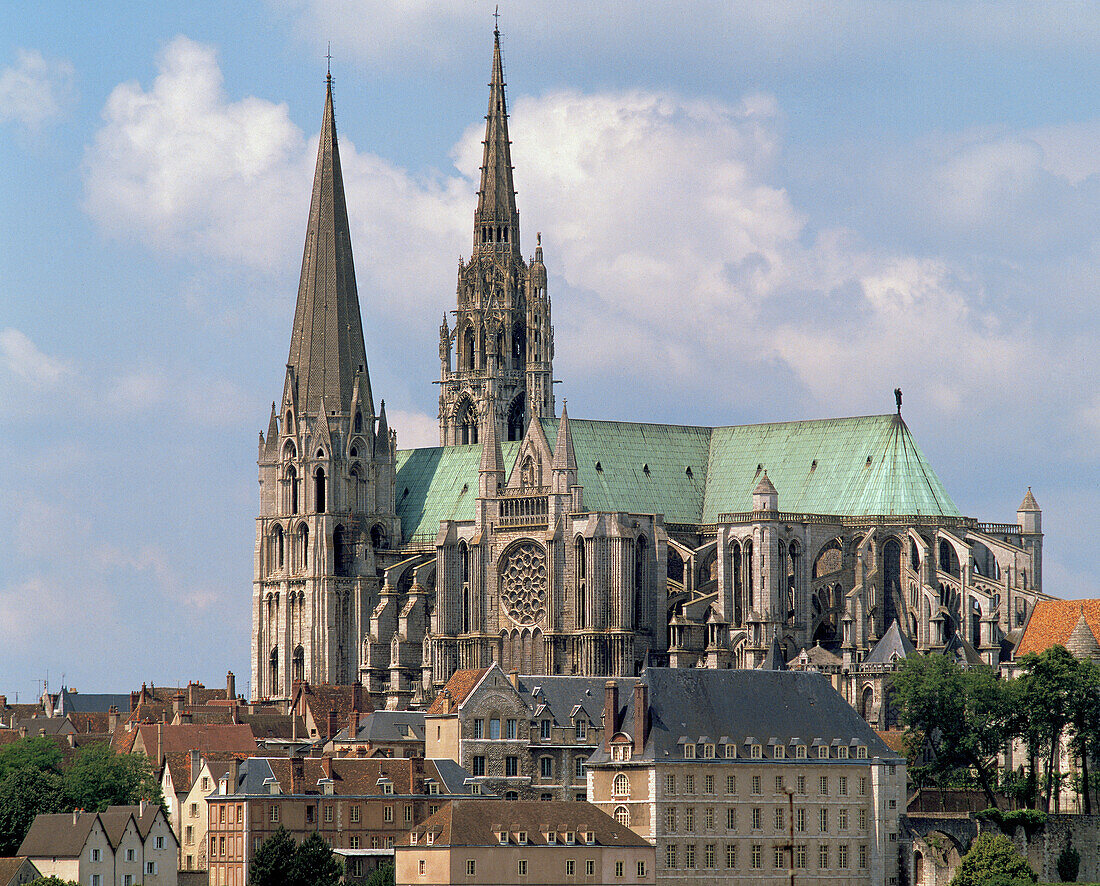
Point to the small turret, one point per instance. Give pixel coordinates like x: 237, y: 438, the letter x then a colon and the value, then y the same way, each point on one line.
x: 491, y: 472
x: 765, y: 497
x: 564, y: 464
x: 1029, y: 516
x: 382, y: 437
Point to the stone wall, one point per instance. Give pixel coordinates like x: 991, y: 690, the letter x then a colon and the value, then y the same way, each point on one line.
x: 1043, y: 846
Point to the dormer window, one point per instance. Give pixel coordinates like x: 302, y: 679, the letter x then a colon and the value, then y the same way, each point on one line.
x: 580, y: 729
x: 779, y: 752
x: 429, y: 838
x: 551, y: 838
x: 731, y: 751
x: 689, y: 751
x: 800, y: 752
x: 823, y: 752
x: 842, y: 752
x: 756, y: 752
x: 590, y: 838
x: 521, y: 838
x: 861, y: 752
x: 502, y: 836
x: 708, y: 751
x: 412, y: 838
x: 570, y: 838
x: 433, y: 787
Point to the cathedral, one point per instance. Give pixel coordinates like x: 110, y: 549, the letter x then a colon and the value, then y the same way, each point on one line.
x: 552, y: 545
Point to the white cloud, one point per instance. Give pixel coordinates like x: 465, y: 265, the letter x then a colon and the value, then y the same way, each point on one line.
x: 136, y: 391
x: 35, y: 90
x: 22, y: 358
x: 414, y: 429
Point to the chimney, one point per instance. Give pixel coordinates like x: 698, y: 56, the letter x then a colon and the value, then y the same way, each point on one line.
x: 353, y: 726
x: 357, y: 696
x: 112, y: 718
x: 230, y: 686
x: 143, y: 806
x: 610, y: 710
x: 514, y: 677
x: 135, y: 697
x: 297, y: 774
x: 160, y: 745
x: 196, y: 763
x: 231, y: 776
x: 76, y: 817
x: 331, y: 724
x: 177, y: 702
x: 3, y: 701
x: 326, y: 766
x: 446, y: 701
x: 234, y: 714
x: 192, y: 692
x: 641, y: 717
x: 71, y: 738
x: 186, y: 717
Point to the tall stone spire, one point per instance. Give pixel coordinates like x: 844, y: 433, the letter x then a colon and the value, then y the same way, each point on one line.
x: 326, y: 346
x: 496, y: 221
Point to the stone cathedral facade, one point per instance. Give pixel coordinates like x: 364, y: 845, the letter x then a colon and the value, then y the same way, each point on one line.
x: 553, y: 545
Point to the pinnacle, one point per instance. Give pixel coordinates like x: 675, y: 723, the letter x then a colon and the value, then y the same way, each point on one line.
x: 496, y: 221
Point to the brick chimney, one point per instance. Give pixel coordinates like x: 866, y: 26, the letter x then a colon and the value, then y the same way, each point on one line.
x: 610, y: 709
x: 514, y: 677
x: 160, y: 745
x: 641, y: 717
x: 331, y: 724
x: 230, y: 686
x: 297, y: 774
x: 326, y: 766
x: 177, y: 702
x: 135, y: 697
x: 196, y: 763
x: 357, y: 696
x: 446, y: 701
x: 353, y: 726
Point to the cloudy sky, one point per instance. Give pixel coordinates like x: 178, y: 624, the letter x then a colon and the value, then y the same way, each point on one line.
x: 750, y: 212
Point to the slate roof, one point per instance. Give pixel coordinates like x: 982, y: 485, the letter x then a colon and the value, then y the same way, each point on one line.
x: 773, y: 658
x: 477, y: 822
x: 749, y: 707
x: 351, y: 776
x: 1052, y: 621
x: 867, y: 465
x: 71, y: 701
x: 386, y: 726
x: 893, y: 642
x: 816, y: 656
x: 563, y: 695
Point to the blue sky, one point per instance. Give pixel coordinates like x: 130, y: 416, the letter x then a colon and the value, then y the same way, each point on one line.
x: 750, y: 212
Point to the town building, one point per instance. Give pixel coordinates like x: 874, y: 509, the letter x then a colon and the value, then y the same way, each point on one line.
x: 519, y: 737
x: 380, y: 734
x: 121, y: 846
x: 493, y: 841
x: 17, y: 871
x: 749, y: 776
x: 553, y: 545
x: 190, y: 825
x: 362, y: 806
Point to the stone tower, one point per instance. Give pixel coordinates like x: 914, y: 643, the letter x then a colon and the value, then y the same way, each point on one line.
x: 502, y: 337
x: 327, y: 467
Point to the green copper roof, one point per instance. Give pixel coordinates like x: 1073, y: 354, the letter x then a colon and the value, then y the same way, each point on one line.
x: 853, y: 466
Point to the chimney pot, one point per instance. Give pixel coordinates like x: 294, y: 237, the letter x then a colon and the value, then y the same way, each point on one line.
x: 514, y: 677
x: 331, y: 724
x: 641, y: 717
x: 610, y: 711
x: 230, y: 686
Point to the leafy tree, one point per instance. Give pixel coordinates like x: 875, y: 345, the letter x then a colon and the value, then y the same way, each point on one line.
x: 960, y: 713
x: 315, y: 864
x: 383, y: 875
x: 274, y: 862
x: 1045, y: 699
x: 52, y: 881
x: 1069, y: 863
x: 99, y: 778
x: 40, y: 753
x: 24, y: 793
x: 1085, y: 719
x: 994, y: 861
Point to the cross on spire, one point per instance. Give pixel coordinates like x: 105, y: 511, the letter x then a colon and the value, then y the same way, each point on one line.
x: 496, y: 20
x: 328, y: 57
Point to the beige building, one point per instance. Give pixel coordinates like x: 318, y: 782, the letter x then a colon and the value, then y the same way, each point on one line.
x: 191, y: 826
x: 745, y: 775
x: 490, y: 841
x: 122, y: 846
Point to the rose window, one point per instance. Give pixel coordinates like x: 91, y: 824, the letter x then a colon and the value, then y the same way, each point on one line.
x: 523, y: 583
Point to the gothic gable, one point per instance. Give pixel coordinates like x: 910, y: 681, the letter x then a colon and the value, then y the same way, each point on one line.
x: 532, y: 467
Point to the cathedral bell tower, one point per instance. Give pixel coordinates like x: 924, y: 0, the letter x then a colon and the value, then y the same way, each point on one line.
x: 502, y: 339
x: 327, y: 467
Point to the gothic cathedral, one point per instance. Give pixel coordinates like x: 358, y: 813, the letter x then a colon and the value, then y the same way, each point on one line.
x: 828, y: 543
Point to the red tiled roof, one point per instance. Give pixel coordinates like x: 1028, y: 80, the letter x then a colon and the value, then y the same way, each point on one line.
x: 460, y: 685
x: 894, y: 739
x: 1052, y: 621
x: 194, y: 736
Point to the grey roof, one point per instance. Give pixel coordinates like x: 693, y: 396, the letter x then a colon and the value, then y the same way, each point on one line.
x: 562, y: 695
x: 818, y: 656
x: 70, y: 702
x: 382, y: 726
x: 774, y: 660
x: 1029, y: 503
x: 454, y: 776
x: 58, y: 836
x: 893, y: 643
x: 962, y: 649
x: 326, y: 346
x: 744, y: 704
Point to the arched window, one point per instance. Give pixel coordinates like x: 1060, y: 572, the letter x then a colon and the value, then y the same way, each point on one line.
x: 319, y: 490
x: 519, y: 347
x: 303, y: 547
x: 580, y: 567
x: 621, y: 786
x: 358, y: 422
x: 299, y: 667
x: 918, y: 869
x: 516, y: 418
x: 273, y: 670
x: 737, y: 580
x: 292, y: 489
x: 466, y: 423
x: 867, y: 704
x: 949, y: 560
x: 340, y: 552
x: 377, y: 536
x: 469, y: 347
x: 277, y: 542
x: 622, y: 816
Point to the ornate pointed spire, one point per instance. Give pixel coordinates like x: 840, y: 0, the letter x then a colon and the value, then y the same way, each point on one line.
x: 565, y: 459
x: 492, y: 459
x: 382, y: 437
x: 326, y: 345
x: 496, y: 221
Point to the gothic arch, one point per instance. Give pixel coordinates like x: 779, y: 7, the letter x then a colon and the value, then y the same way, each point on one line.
x: 291, y: 478
x: 302, y: 545
x: 298, y: 669
x: 342, y: 553
x: 829, y: 559
x: 319, y: 490
x: 378, y: 536
x: 517, y: 417
x: 465, y: 421
x: 278, y: 546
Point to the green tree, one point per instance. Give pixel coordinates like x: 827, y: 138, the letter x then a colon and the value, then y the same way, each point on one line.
x: 383, y: 875
x: 40, y: 753
x: 52, y: 881
x: 959, y: 713
x: 993, y: 861
x: 1085, y: 719
x: 99, y: 778
x: 315, y: 864
x: 1045, y: 698
x: 273, y: 863
x: 25, y: 793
